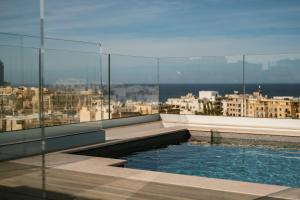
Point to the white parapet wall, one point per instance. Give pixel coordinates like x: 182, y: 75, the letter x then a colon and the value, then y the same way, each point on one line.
x: 237, y: 122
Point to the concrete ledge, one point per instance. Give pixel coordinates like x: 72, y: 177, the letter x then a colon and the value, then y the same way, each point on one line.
x: 129, y: 121
x: 216, y: 137
x: 143, y: 141
x: 23, y: 143
x: 255, y: 126
x: 238, y: 130
x: 237, y: 122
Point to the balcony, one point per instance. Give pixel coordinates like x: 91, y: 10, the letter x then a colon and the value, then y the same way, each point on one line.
x: 92, y: 112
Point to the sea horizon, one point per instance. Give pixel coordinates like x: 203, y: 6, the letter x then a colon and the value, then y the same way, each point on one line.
x: 171, y: 90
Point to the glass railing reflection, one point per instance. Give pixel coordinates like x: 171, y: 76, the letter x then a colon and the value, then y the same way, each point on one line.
x: 72, y: 87
x: 19, y: 88
x: 82, y: 85
x: 19, y: 100
x: 73, y: 90
x: 134, y: 87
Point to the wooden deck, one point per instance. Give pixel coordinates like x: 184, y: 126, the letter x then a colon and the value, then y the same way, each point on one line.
x: 24, y: 182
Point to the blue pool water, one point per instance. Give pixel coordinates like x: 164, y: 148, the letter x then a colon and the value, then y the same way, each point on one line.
x: 254, y: 164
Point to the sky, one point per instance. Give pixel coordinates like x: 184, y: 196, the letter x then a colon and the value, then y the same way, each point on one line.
x: 164, y: 27
x: 224, y: 30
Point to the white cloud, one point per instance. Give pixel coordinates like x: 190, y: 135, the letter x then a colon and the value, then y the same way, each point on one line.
x: 106, y: 21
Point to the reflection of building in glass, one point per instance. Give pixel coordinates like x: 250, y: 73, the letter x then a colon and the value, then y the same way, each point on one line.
x: 133, y: 100
x: 1, y: 73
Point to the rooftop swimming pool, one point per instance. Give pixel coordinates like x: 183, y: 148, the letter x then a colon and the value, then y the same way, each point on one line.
x: 268, y: 165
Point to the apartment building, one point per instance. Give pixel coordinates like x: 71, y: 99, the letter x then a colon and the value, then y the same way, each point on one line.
x: 233, y: 104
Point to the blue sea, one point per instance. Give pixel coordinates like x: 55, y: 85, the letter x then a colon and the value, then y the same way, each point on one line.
x: 177, y: 90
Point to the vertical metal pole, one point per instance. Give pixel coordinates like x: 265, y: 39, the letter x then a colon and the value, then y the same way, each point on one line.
x: 101, y: 79
x: 22, y: 59
x: 158, y: 84
x: 41, y: 97
x: 109, y: 95
x: 244, y: 88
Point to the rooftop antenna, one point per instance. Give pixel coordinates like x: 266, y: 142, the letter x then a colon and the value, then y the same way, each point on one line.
x: 259, y: 90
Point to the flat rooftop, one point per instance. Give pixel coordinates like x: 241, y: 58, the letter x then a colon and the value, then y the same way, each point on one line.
x: 71, y: 176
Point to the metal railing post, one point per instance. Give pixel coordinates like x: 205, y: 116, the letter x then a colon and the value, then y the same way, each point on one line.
x: 109, y: 92
x: 101, y: 79
x: 41, y: 98
x: 244, y: 88
x: 158, y: 84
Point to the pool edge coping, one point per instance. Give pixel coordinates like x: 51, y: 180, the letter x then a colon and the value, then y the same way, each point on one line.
x: 94, y: 166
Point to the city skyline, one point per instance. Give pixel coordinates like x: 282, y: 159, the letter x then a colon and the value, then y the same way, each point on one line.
x: 66, y: 105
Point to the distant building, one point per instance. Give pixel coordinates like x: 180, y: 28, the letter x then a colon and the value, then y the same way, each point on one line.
x: 188, y: 104
x: 208, y: 95
x: 257, y: 105
x: 145, y: 109
x: 84, y: 114
x: 296, y: 108
x: 1, y: 73
x: 233, y: 105
x: 276, y: 107
x: 208, y: 103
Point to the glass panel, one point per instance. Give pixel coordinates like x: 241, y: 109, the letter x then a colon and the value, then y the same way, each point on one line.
x: 19, y: 85
x: 272, y: 85
x: 20, y: 16
x: 19, y: 90
x: 19, y: 132
x: 64, y: 44
x: 202, y: 85
x: 134, y: 86
x: 72, y: 92
x: 105, y: 87
x: 19, y: 40
x: 11, y: 40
